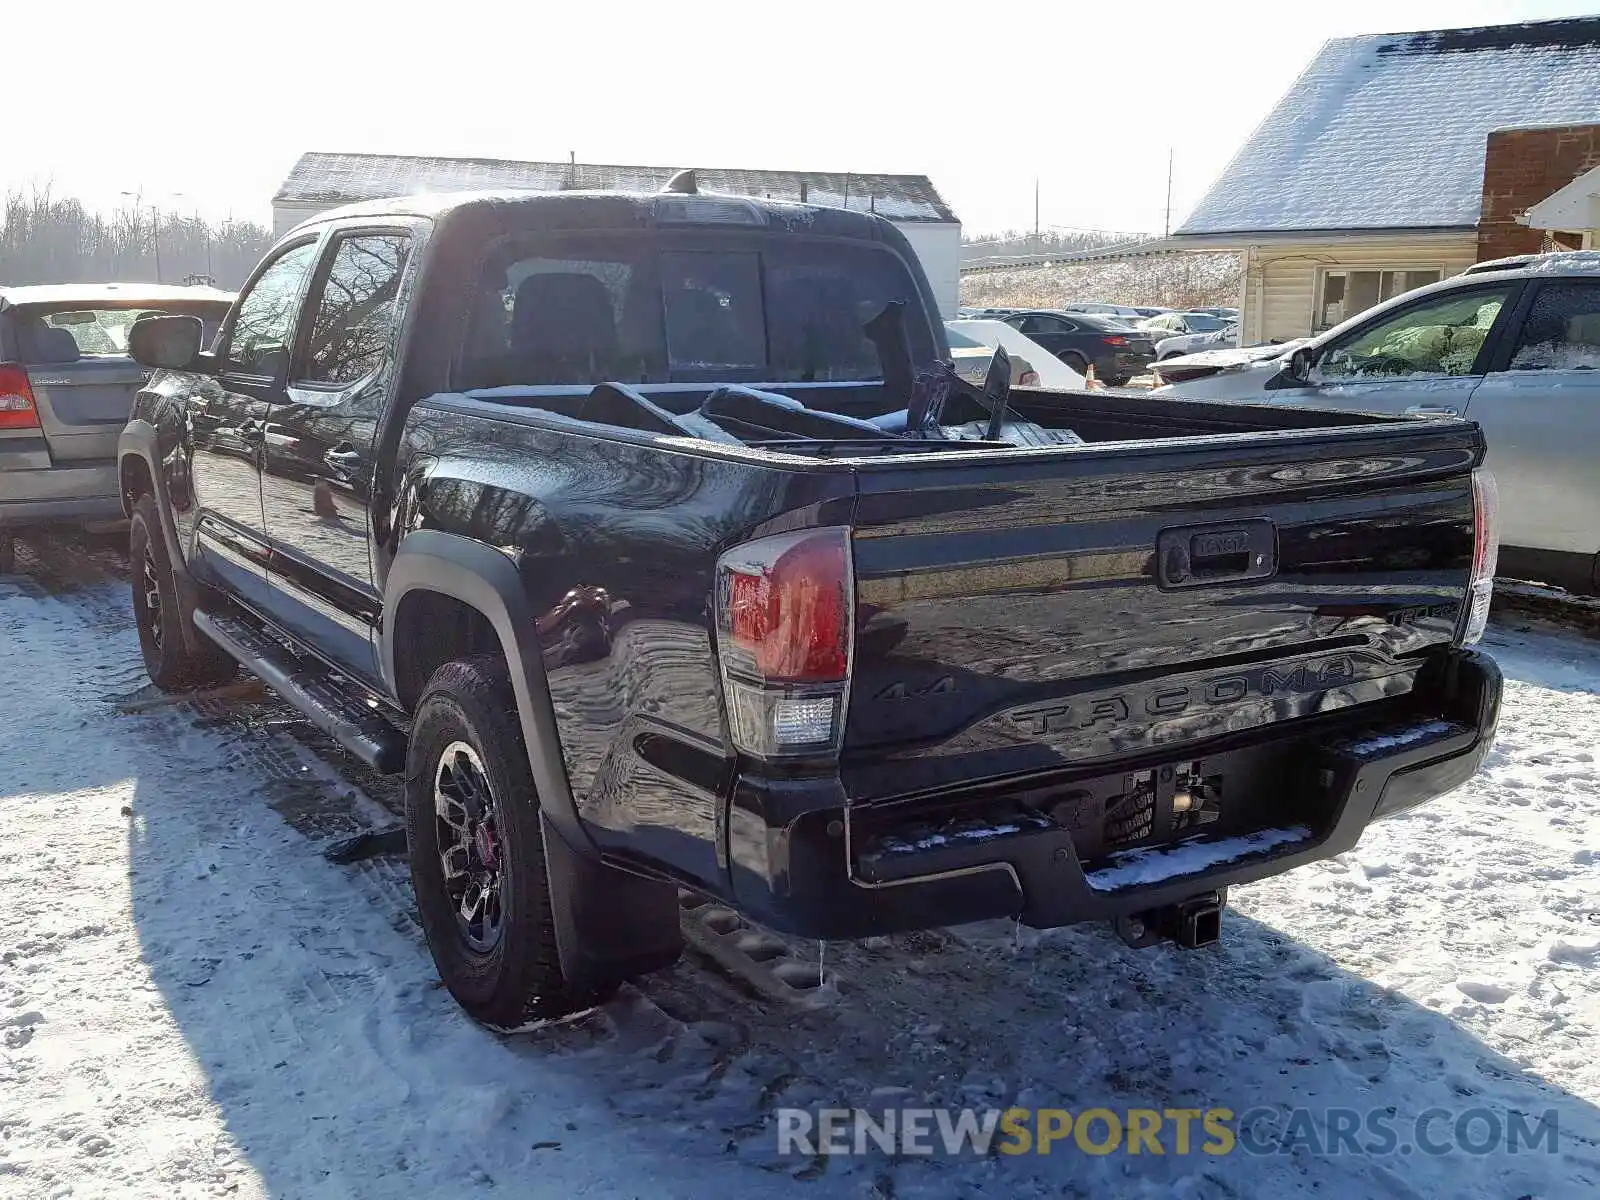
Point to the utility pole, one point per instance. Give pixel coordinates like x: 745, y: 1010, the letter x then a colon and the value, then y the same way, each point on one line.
x: 1036, y: 212
x: 1166, y: 226
x: 155, y: 238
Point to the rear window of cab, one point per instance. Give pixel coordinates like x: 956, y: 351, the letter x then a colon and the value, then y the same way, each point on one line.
x: 585, y: 310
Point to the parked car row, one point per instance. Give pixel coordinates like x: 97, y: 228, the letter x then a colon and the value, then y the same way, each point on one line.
x: 1117, y: 351
x: 1041, y: 368
x: 1512, y: 344
x: 1185, y: 332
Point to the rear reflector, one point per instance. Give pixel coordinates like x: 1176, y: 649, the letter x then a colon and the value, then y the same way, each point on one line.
x: 17, y: 408
x: 1485, y: 554
x: 784, y: 609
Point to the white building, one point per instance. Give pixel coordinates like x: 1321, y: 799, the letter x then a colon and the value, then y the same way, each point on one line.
x: 322, y: 181
x: 1368, y: 178
x: 1575, y: 209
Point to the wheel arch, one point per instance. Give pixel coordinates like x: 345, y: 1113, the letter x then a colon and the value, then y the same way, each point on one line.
x: 139, y: 474
x: 435, y: 573
x: 610, y: 924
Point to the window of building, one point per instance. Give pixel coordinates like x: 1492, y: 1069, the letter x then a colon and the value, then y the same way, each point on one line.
x: 1343, y: 292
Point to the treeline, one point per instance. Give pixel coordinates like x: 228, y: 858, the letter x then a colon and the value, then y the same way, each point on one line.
x: 1170, y: 280
x: 48, y: 240
x: 1012, y: 243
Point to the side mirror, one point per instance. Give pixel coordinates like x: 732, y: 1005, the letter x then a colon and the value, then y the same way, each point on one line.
x: 1299, y: 368
x: 170, y: 342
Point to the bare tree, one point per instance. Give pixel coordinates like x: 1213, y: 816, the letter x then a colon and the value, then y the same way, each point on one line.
x: 44, y: 239
x: 1177, y: 280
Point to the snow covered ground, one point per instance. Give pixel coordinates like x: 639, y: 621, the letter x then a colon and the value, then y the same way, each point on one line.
x: 193, y: 1002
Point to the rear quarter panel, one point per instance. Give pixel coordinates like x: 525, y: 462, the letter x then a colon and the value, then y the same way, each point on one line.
x: 616, y: 542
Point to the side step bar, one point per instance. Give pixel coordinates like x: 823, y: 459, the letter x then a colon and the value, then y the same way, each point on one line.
x: 354, y: 726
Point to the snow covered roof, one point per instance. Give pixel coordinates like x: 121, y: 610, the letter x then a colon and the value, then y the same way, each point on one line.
x: 1387, y: 131
x: 323, y: 178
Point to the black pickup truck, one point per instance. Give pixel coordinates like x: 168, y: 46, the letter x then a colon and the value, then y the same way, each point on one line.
x: 652, y: 539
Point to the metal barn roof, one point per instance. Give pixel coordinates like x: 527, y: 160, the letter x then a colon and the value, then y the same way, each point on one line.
x: 328, y: 178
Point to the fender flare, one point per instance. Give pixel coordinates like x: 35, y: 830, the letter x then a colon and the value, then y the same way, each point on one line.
x: 486, y: 580
x: 138, y: 439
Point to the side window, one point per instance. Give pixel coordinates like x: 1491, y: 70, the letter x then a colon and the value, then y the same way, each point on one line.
x: 263, y: 329
x: 1441, y: 337
x: 354, y: 322
x: 1038, y: 323
x: 1562, y: 332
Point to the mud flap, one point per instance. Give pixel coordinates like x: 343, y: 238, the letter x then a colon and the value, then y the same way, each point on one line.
x: 609, y: 925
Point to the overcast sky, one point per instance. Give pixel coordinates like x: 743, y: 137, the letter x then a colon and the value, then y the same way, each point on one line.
x: 205, y: 109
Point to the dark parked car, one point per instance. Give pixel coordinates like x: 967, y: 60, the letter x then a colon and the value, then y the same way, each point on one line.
x: 677, y: 557
x: 66, y: 388
x: 1118, y: 351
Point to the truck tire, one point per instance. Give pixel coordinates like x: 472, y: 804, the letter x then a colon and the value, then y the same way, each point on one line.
x: 470, y: 801
x: 159, y: 615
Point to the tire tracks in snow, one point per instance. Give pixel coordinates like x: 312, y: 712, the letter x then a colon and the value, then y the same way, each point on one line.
x: 1310, y: 998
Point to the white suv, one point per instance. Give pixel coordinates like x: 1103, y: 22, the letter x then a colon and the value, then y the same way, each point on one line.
x: 1512, y: 344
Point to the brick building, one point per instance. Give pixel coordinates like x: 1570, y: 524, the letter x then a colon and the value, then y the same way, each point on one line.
x: 1523, y: 167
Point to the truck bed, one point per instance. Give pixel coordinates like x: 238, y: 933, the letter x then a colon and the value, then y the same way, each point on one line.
x: 1093, y: 416
x: 1020, y: 615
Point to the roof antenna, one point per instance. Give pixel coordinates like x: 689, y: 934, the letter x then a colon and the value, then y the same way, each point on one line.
x: 683, y: 184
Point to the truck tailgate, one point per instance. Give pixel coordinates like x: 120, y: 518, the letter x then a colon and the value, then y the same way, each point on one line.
x: 1022, y: 613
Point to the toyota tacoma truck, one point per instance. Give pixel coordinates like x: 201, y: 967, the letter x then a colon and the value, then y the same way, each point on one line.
x: 654, y: 541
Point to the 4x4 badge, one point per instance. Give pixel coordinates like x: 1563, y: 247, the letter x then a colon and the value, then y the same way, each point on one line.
x: 899, y: 691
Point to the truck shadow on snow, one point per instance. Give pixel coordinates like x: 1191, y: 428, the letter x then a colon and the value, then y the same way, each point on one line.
x: 342, y: 1068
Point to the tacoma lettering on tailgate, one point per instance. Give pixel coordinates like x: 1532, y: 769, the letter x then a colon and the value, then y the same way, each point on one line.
x: 1173, y: 699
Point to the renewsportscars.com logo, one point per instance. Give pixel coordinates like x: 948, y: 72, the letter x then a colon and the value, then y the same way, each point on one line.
x: 1176, y: 1131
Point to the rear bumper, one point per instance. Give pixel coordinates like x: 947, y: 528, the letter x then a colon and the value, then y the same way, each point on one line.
x: 794, y: 866
x: 1124, y: 365
x: 48, y: 495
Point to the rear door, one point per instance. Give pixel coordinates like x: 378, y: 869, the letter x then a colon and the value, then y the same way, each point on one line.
x: 1425, y: 358
x: 83, y: 381
x: 1539, y: 406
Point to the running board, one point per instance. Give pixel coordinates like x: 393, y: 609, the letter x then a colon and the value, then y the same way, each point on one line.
x: 359, y: 729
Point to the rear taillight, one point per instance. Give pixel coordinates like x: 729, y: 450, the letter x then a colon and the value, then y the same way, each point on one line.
x: 17, y: 409
x: 1114, y: 340
x: 784, y: 608
x: 1029, y: 379
x: 1485, y: 554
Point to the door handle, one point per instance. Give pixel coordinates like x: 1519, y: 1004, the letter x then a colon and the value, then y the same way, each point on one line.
x: 1198, y: 555
x: 1433, y: 410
